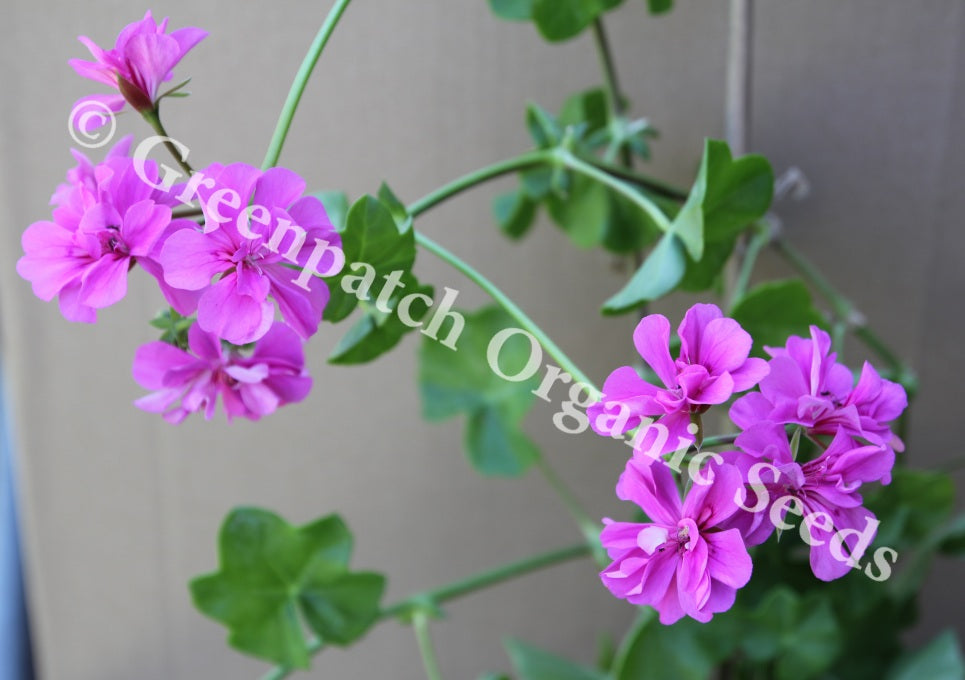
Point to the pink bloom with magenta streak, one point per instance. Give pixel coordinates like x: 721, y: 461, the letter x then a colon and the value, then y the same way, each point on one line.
x: 249, y: 386
x: 826, y: 492
x: 259, y: 232
x: 105, y: 220
x: 683, y: 563
x: 712, y: 366
x: 142, y: 58
x: 806, y: 386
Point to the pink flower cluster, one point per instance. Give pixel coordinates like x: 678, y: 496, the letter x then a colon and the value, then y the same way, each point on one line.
x: 233, y: 274
x: 692, y: 556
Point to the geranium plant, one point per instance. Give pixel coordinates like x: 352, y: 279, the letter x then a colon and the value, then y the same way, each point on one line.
x: 773, y: 525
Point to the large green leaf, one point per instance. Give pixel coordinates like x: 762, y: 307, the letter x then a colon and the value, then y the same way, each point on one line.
x: 372, y: 235
x: 659, y: 6
x: 659, y: 274
x: 801, y: 637
x: 531, y: 663
x: 658, y: 652
x: 775, y: 310
x: 583, y: 213
x: 726, y: 196
x: 273, y: 577
x: 941, y: 659
x: 462, y: 382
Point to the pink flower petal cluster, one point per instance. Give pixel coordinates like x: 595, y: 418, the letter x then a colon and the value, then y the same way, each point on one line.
x: 105, y: 220
x: 712, y: 366
x: 826, y: 489
x: 684, y: 562
x: 806, y: 386
x: 143, y: 57
x: 249, y: 386
x: 248, y: 259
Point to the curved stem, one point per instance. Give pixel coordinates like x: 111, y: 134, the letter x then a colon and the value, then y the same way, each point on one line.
x: 301, y: 79
x: 654, y: 186
x: 420, y: 624
x: 452, y: 591
x: 511, y: 307
x: 154, y: 120
x: 521, y: 162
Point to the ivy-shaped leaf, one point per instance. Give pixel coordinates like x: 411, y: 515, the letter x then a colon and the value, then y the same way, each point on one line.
x: 659, y: 274
x: 531, y: 663
x: 775, y: 310
x: 274, y: 579
x: 462, y: 382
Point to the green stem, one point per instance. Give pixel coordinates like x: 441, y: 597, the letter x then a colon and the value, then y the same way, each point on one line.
x: 154, y: 120
x: 846, y: 311
x: 301, y: 80
x: 467, y: 586
x: 521, y: 162
x: 754, y: 247
x: 503, y: 301
x: 654, y: 186
x: 615, y: 96
x: 420, y: 624
x: 575, y: 164
x: 719, y: 440
x: 589, y: 527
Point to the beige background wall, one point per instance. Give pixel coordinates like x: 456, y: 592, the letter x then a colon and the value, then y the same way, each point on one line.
x: 121, y: 509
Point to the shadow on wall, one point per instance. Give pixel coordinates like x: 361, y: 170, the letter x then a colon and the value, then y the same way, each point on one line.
x: 15, y: 658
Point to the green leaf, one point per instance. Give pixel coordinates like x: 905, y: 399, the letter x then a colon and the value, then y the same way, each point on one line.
x: 953, y: 540
x: 589, y: 107
x: 658, y: 275
x: 462, y: 382
x: 802, y: 637
x: 399, y: 212
x: 336, y: 207
x: 705, y: 273
x: 628, y: 229
x: 775, y: 310
x: 658, y: 652
x: 175, y: 327
x: 373, y: 236
x: 377, y: 331
x: 513, y: 10
x: 584, y: 213
x: 515, y: 213
x: 274, y: 576
x: 535, y: 664
x: 559, y: 20
x: 726, y: 196
x: 659, y: 6
x: 941, y: 659
x: 543, y: 126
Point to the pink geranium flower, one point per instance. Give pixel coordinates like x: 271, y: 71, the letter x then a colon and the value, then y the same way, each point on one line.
x: 682, y: 563
x: 828, y: 485
x: 142, y: 58
x: 806, y: 386
x: 237, y: 267
x: 105, y: 219
x: 249, y: 386
x: 712, y: 366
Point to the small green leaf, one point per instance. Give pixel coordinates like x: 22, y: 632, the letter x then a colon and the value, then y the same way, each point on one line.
x: 559, y: 20
x: 658, y: 275
x: 543, y: 126
x: 273, y: 576
x: 941, y: 659
x: 377, y: 332
x: 452, y: 383
x: 336, y: 207
x: 775, y: 310
x: 584, y: 213
x: 726, y: 196
x: 659, y: 6
x: 513, y: 10
x: 399, y: 212
x: 515, y: 213
x: 589, y: 107
x: 535, y: 664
